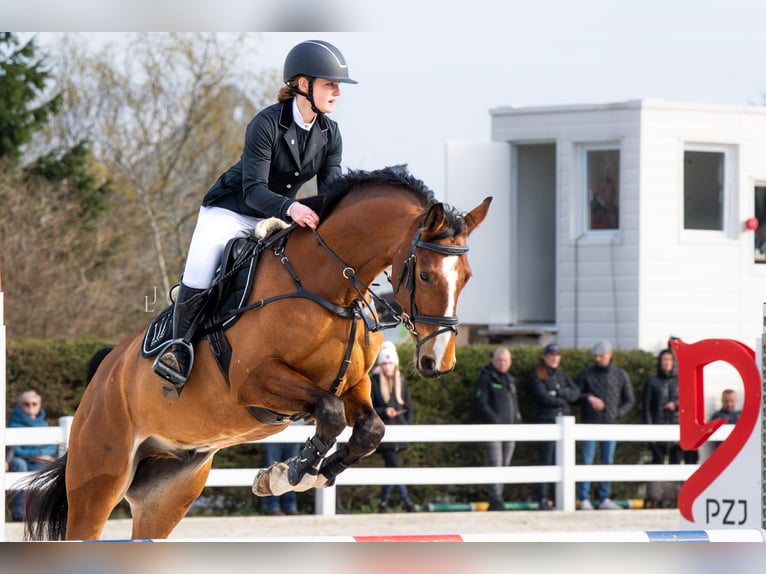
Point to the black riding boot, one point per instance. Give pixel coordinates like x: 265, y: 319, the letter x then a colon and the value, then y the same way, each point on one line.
x: 175, y: 361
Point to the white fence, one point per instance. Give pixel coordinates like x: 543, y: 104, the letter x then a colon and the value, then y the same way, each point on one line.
x: 564, y: 474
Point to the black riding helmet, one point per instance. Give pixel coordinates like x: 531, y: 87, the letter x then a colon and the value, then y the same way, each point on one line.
x: 315, y: 59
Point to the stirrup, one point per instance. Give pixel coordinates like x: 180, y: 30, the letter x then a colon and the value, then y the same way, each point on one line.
x: 177, y: 378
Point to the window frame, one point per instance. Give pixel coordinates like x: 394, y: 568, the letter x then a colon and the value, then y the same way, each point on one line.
x: 586, y: 233
x: 729, y: 188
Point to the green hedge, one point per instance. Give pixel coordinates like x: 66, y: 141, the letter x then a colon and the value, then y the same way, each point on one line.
x: 56, y: 369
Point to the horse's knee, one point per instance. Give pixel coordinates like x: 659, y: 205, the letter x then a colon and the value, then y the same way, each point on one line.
x: 376, y: 431
x: 330, y: 416
x: 368, y: 432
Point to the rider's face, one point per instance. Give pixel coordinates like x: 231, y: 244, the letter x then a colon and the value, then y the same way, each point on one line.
x: 325, y: 94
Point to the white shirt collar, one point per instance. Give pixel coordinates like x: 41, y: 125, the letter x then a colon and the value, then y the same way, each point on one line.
x: 298, y: 118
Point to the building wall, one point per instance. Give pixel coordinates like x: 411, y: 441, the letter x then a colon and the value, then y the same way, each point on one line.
x: 653, y: 279
x: 698, y: 285
x: 597, y: 274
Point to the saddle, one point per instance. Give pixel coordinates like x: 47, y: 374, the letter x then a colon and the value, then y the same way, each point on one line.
x: 230, y: 292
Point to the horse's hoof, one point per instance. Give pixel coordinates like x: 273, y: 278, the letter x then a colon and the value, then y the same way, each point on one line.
x: 261, y: 485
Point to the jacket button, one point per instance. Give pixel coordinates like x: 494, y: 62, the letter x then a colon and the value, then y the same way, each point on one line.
x: 297, y: 173
x: 289, y: 186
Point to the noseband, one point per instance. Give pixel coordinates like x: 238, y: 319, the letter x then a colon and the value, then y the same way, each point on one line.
x: 407, y: 275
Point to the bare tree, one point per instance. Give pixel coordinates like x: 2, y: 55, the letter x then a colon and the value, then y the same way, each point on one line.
x: 164, y: 114
x: 167, y: 114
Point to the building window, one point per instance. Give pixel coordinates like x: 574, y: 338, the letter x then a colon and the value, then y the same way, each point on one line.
x: 760, y: 232
x: 602, y: 174
x: 704, y: 177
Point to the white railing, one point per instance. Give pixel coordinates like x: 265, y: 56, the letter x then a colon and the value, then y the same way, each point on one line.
x: 564, y: 474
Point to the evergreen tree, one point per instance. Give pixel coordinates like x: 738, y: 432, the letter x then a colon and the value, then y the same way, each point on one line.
x: 24, y: 108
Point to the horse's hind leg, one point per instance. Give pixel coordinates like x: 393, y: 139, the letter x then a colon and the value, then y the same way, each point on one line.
x: 163, y: 491
x: 91, y: 503
x: 97, y: 475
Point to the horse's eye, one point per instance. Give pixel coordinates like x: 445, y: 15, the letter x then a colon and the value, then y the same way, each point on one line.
x: 425, y: 277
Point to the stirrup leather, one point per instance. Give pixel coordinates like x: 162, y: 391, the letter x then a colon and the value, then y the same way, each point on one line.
x: 176, y: 377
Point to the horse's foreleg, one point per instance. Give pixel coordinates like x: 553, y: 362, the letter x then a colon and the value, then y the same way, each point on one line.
x: 300, y: 473
x: 368, y: 430
x: 366, y: 436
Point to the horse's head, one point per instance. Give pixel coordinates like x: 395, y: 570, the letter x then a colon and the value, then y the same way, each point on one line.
x: 431, y: 272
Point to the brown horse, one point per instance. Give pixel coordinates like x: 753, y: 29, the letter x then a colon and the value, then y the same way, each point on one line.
x: 291, y: 357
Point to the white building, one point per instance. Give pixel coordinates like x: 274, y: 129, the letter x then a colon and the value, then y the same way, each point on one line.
x: 677, y: 260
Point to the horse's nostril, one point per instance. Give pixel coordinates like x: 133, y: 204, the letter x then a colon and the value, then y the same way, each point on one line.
x: 427, y: 365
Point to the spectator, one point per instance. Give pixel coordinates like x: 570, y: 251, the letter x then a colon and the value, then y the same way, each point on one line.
x: 606, y: 397
x: 391, y: 400
x: 661, y: 408
x: 604, y: 210
x: 28, y: 412
x: 495, y: 402
x: 728, y: 408
x: 553, y: 391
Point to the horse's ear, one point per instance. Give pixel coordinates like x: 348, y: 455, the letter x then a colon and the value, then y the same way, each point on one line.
x: 435, y: 218
x: 477, y: 214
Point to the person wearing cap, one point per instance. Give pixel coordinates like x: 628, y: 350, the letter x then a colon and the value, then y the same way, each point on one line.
x: 553, y: 391
x: 606, y: 395
x: 495, y: 402
x: 391, y: 400
x: 286, y: 145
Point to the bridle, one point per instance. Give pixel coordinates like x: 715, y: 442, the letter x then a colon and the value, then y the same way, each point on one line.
x: 407, y: 276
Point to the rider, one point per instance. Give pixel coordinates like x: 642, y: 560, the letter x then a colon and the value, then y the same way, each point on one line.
x: 286, y: 145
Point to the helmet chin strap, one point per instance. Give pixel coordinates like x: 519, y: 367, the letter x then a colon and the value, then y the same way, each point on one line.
x: 309, y: 96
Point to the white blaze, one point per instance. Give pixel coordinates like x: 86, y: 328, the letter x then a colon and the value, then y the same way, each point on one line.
x: 449, y: 270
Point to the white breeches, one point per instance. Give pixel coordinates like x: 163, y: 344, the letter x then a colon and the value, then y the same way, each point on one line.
x: 215, y: 227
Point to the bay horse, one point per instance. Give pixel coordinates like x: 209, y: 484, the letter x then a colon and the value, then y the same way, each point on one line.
x: 293, y: 357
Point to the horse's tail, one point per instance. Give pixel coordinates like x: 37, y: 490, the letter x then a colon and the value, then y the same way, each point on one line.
x: 46, y: 504
x: 95, y: 361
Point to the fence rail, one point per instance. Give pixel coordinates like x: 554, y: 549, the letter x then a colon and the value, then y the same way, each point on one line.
x: 564, y: 474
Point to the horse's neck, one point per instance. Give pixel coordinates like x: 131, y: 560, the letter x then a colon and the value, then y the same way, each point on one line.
x: 361, y: 242
x: 365, y: 238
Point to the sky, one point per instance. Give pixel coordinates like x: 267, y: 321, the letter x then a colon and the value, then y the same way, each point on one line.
x: 430, y: 72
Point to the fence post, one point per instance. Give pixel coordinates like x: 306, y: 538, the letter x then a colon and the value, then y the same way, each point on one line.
x: 566, y: 461
x: 65, y: 423
x: 324, y: 499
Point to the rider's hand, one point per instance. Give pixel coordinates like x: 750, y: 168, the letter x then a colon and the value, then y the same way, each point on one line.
x: 302, y: 215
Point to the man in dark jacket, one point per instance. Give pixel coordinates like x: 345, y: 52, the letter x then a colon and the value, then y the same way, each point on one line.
x: 606, y: 395
x: 553, y: 392
x: 495, y: 402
